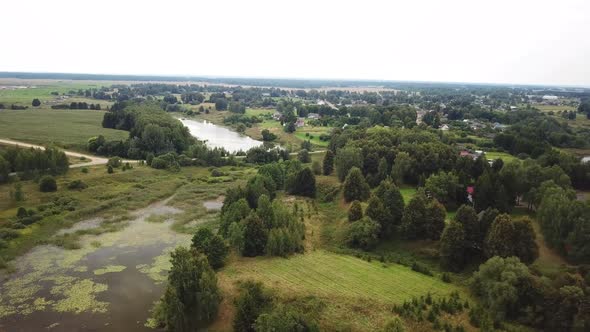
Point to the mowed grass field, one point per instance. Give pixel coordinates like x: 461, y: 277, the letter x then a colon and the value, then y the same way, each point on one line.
x: 314, y: 134
x: 69, y: 129
x: 327, y: 274
x: 506, y: 157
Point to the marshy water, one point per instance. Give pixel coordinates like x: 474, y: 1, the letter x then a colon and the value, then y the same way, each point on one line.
x: 219, y: 137
x: 109, y: 284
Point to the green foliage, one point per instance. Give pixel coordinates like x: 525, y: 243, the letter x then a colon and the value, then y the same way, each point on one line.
x: 490, y: 192
x: 502, y: 284
x: 393, y: 202
x: 47, y: 184
x: 235, y: 107
x: 110, y: 169
x: 211, y: 245
x: 376, y: 212
x: 29, y: 163
x: 304, y: 184
x: 115, y: 162
x: 355, y: 186
x: 77, y: 185
x: 436, y: 311
x: 303, y: 156
x: 252, y: 301
x: 444, y: 186
x: 421, y: 268
x: 452, y: 246
x: 151, y: 130
x: 274, y: 171
x: 355, y: 212
x: 257, y: 186
x: 500, y: 237
x: 265, y: 211
x: 4, y: 169
x: 267, y: 136
x: 395, y: 325
x: 565, y: 224
x: 474, y: 233
x: 512, y: 238
x: 423, y: 218
x: 192, y: 296
x: 255, y: 236
x: 363, y: 234
x: 232, y: 212
x: 328, y: 163
x: 236, y: 236
x: 262, y: 155
x: 347, y: 159
x: 306, y: 145
x: 17, y: 192
x: 401, y: 167
x: 285, y: 318
x: 36, y: 102
x: 316, y: 167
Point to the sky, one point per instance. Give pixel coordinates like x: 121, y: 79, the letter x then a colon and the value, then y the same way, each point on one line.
x: 515, y: 42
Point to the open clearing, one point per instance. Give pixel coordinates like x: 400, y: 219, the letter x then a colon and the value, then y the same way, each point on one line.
x: 69, y: 129
x: 506, y: 157
x: 332, y: 275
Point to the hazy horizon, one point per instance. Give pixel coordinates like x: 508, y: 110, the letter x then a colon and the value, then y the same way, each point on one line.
x: 499, y: 42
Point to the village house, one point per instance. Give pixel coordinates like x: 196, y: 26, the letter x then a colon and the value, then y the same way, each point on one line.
x: 300, y: 122
x: 313, y: 116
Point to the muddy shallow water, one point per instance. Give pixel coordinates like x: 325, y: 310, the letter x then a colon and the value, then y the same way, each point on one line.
x: 109, y: 284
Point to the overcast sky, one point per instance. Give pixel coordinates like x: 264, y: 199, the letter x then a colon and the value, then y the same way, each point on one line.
x: 516, y: 41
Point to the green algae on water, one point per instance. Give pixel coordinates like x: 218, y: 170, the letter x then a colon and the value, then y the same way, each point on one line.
x: 109, y: 269
x: 80, y: 297
x: 155, y: 270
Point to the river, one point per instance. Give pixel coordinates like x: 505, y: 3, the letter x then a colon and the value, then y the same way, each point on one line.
x: 219, y: 137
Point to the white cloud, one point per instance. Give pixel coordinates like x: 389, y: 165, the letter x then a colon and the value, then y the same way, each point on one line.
x: 502, y: 41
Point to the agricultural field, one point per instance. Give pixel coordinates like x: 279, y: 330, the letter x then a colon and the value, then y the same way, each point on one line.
x: 327, y: 274
x: 341, y: 282
x: 26, y: 91
x: 69, y: 129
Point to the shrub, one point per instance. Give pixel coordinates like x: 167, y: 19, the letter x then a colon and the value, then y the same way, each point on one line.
x: 8, y: 234
x: 84, y: 170
x: 363, y: 234
x: 421, y: 268
x: 252, y: 301
x: 216, y: 172
x: 77, y: 185
x: 316, y: 167
x: 114, y: 162
x: 355, y: 212
x: 47, y: 184
x: 446, y: 277
x: 110, y: 170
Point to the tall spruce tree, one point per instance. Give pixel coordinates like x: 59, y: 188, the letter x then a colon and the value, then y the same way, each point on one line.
x: 355, y: 186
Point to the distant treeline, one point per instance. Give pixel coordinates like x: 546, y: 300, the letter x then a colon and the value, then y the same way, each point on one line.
x: 76, y: 106
x: 31, y: 162
x: 14, y: 107
x: 274, y: 82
